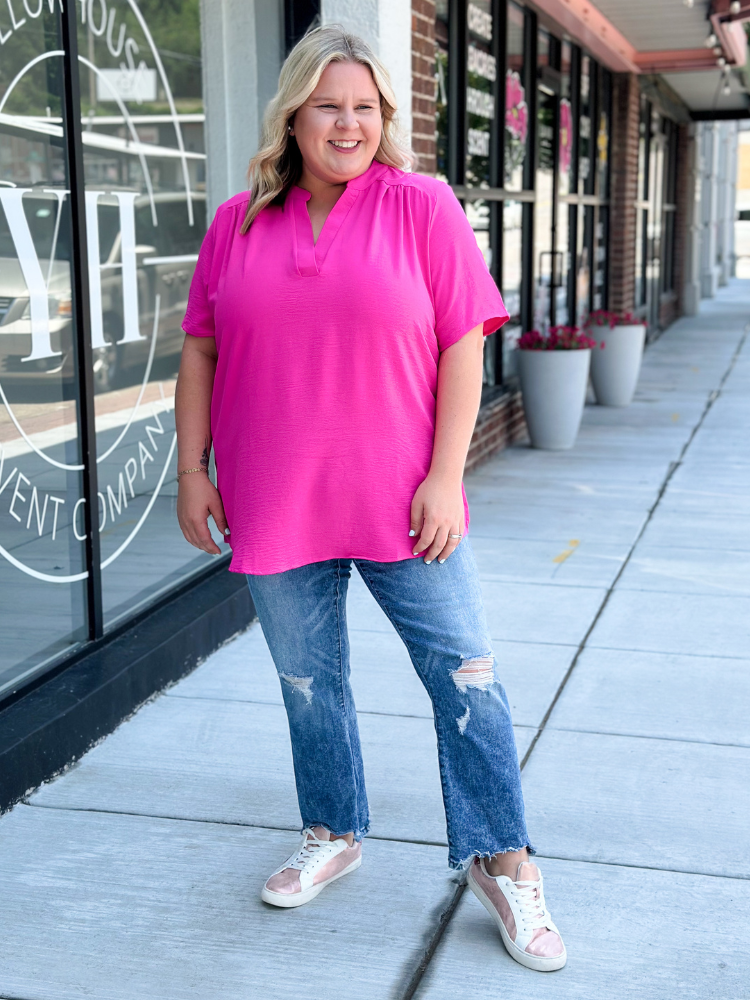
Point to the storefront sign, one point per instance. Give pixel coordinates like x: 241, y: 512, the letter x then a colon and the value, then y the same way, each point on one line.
x: 480, y: 22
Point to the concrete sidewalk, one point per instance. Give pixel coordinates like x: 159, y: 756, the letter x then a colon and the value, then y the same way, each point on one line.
x: 618, y: 595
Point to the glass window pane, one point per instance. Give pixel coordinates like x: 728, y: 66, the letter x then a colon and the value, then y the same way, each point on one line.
x: 544, y: 258
x: 602, y: 138
x: 511, y: 281
x: 516, y: 109
x: 42, y: 569
x: 481, y: 113
x: 585, y: 176
x: 584, y: 262
x: 600, y: 259
x: 564, y: 168
x: 565, y: 136
x: 441, y: 90
x: 145, y: 182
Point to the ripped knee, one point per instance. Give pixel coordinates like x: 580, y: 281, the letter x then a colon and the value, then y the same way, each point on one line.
x: 475, y: 672
x: 301, y: 684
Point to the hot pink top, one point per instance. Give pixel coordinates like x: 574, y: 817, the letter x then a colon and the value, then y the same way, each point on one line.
x: 323, y: 408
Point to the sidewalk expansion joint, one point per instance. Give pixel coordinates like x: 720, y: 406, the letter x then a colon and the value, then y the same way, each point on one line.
x: 673, y: 466
x: 216, y: 822
x: 446, y: 917
x: 640, y: 868
x: 432, y: 945
x: 647, y: 736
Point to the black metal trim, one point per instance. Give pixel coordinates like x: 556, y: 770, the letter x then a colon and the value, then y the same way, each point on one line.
x: 729, y: 115
x: 529, y: 170
x: 299, y: 17
x: 82, y: 318
x: 85, y: 648
x: 497, y: 134
x: 55, y: 724
x: 457, y: 80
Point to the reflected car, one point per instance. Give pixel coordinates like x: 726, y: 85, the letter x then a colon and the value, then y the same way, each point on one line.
x: 115, y: 364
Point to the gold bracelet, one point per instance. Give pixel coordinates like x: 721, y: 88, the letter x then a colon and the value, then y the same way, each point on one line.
x: 186, y: 471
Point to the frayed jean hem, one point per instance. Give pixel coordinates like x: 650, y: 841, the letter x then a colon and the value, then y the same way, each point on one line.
x: 460, y: 866
x: 359, y: 835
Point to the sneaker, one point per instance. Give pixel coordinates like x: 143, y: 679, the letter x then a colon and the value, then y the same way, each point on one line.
x: 318, y: 862
x: 519, y: 910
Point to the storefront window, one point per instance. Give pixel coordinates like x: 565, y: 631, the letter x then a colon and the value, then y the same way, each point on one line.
x: 565, y: 135
x: 512, y: 275
x: 584, y: 254
x: 144, y: 164
x: 599, y: 298
x: 544, y: 256
x: 516, y: 108
x: 441, y: 89
x: 150, y: 204
x: 481, y: 67
x: 602, y: 137
x: 42, y: 570
x: 585, y: 129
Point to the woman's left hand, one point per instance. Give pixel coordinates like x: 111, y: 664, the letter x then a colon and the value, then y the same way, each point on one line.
x: 437, y: 511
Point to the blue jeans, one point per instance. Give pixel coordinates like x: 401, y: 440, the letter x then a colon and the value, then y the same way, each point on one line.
x: 437, y: 610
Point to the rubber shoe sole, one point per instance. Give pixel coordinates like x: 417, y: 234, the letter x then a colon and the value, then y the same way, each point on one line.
x: 300, y: 898
x: 535, y: 962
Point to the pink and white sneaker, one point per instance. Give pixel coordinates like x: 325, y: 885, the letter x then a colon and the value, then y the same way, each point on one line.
x: 519, y: 910
x: 318, y: 862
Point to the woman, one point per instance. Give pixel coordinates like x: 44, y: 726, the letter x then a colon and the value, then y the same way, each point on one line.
x: 334, y: 360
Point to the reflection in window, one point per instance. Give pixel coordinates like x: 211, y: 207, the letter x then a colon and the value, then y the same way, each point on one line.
x: 602, y: 138
x: 585, y: 176
x: 481, y: 113
x: 511, y: 281
x: 565, y: 141
x: 42, y: 568
x: 144, y: 153
x: 516, y: 108
x: 441, y: 88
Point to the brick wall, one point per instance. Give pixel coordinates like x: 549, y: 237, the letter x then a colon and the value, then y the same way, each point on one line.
x: 500, y: 422
x: 625, y: 121
x: 423, y: 83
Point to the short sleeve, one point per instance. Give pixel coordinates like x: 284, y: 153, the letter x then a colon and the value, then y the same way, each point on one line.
x: 464, y: 292
x: 199, y: 316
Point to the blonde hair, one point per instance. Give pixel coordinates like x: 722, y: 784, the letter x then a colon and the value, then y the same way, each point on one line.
x: 277, y: 166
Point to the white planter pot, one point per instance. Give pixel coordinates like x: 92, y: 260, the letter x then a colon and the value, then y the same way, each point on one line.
x: 616, y: 366
x: 553, y: 384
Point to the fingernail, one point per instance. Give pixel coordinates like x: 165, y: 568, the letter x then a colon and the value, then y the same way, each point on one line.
x: 227, y: 531
x: 441, y: 561
x: 412, y: 534
x: 428, y: 561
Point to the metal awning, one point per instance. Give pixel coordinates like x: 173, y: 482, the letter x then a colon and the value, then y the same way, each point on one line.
x: 699, y: 48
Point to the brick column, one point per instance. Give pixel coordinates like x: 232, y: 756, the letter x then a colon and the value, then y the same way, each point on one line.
x: 423, y: 83
x: 624, y: 188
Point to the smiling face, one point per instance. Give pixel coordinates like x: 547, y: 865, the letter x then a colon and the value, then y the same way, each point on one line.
x: 339, y: 126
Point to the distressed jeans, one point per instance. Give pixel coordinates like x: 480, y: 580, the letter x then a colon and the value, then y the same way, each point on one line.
x: 437, y: 610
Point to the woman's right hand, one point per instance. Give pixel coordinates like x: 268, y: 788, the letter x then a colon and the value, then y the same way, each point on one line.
x: 197, y: 497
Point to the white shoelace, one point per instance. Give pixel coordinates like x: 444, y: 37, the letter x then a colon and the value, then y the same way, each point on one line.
x: 533, y: 910
x: 310, y: 852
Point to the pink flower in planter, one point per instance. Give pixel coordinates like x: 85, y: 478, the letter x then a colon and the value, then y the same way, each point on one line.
x: 566, y: 135
x: 516, y: 110
x: 600, y: 317
x: 559, y: 338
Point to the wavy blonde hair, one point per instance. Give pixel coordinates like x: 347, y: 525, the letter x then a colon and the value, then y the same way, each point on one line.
x: 277, y: 166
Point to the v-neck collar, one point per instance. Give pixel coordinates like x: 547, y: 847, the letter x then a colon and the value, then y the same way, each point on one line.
x: 310, y: 255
